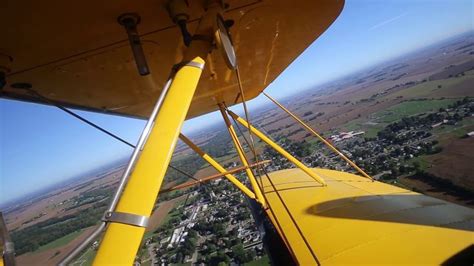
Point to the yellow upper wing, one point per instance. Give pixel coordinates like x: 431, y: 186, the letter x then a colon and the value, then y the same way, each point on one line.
x: 76, y: 53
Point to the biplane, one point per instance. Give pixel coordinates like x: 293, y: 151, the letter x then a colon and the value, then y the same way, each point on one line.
x: 166, y: 61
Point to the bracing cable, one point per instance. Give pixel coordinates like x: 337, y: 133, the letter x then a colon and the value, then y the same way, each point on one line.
x: 247, y: 117
x: 51, y: 102
x: 252, y: 147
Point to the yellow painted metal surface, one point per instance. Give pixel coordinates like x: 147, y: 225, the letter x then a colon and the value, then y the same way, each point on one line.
x: 121, y: 242
x: 217, y: 166
x: 356, y: 221
x: 76, y: 53
x: 279, y: 149
x: 243, y: 158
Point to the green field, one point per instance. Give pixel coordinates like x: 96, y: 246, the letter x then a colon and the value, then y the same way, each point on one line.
x: 361, y: 124
x: 381, y: 119
x: 262, y: 261
x: 425, y: 89
x: 87, y: 258
x: 174, y: 212
x: 409, y: 108
x: 60, y: 241
x: 424, y: 164
x: 446, y: 132
x: 146, y: 263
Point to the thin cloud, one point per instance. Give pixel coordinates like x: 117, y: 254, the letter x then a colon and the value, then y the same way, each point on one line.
x: 383, y: 23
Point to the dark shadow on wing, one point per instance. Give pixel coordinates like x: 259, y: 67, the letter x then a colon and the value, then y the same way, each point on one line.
x: 464, y: 257
x: 398, y: 208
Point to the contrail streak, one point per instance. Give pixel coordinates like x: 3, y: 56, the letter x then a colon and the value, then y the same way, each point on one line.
x: 387, y: 21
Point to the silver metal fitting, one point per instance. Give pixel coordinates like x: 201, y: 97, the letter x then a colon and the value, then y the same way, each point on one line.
x: 126, y: 218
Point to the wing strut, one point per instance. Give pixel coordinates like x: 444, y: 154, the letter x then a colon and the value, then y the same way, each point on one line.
x: 279, y: 149
x: 121, y: 241
x: 243, y: 158
x: 125, y: 176
x: 217, y: 166
x: 6, y: 245
x: 211, y: 177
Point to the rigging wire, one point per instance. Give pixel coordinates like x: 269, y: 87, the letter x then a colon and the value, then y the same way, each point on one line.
x: 251, y: 145
x: 92, y: 124
x: 292, y: 218
x: 264, y: 195
x: 256, y: 158
x: 41, y: 97
x: 252, y: 148
x: 247, y: 116
x: 280, y: 198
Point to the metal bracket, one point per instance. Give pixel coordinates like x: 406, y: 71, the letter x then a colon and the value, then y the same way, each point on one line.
x: 195, y: 64
x: 126, y: 218
x: 9, y: 248
x: 188, y: 63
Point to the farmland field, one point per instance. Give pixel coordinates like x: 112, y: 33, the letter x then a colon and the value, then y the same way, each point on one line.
x: 377, y: 121
x: 448, y: 87
x: 409, y: 108
x: 60, y: 241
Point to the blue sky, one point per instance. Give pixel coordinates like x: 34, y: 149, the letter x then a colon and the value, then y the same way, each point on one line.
x: 41, y: 145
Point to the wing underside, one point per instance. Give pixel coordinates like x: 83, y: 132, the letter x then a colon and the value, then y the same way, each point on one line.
x: 78, y: 55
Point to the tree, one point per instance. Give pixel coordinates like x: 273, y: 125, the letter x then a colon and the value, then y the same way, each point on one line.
x: 219, y: 258
x: 416, y: 165
x: 240, y: 255
x: 188, y: 247
x: 395, y: 172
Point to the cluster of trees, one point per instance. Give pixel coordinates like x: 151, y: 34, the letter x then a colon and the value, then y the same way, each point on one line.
x: 316, y: 116
x: 242, y: 256
x: 294, y: 132
x: 220, y: 145
x: 190, y: 164
x: 90, y: 196
x: 459, y: 103
x: 216, y: 228
x: 327, y: 103
x: 32, y: 237
x: 188, y: 247
x: 271, y: 131
x: 224, y: 253
x: 446, y: 184
x: 428, y: 120
x: 171, y: 195
x: 389, y: 133
x: 218, y: 259
x: 299, y: 149
x: 390, y: 130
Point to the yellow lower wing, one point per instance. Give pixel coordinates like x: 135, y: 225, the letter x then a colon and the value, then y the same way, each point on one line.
x: 356, y: 221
